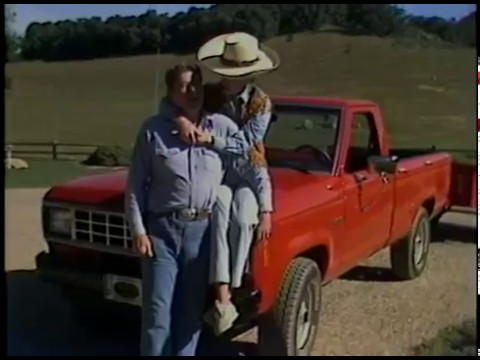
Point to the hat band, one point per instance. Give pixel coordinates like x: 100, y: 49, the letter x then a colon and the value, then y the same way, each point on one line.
x: 235, y: 63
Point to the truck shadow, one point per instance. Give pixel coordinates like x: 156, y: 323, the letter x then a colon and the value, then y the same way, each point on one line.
x: 369, y: 273
x: 454, y: 232
x: 40, y: 323
x: 442, y: 232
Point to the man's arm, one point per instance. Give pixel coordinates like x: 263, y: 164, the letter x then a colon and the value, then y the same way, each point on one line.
x: 138, y: 183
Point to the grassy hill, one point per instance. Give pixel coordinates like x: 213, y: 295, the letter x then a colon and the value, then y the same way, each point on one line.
x: 428, y: 95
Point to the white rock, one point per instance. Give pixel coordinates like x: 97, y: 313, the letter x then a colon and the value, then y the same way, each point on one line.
x: 16, y: 164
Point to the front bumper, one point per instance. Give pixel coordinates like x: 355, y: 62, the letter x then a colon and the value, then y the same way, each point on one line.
x: 56, y: 268
x: 51, y: 270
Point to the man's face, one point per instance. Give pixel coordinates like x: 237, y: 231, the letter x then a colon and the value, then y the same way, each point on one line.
x: 187, y: 92
x: 233, y: 87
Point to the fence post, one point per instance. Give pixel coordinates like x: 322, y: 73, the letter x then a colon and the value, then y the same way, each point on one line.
x: 54, y: 150
x: 8, y: 155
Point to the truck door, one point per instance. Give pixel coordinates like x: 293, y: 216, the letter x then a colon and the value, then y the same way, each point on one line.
x: 368, y: 196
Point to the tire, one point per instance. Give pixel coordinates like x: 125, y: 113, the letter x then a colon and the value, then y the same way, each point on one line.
x: 290, y: 328
x: 409, y: 256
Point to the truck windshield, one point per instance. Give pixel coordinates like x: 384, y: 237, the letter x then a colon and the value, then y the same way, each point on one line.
x: 303, y: 137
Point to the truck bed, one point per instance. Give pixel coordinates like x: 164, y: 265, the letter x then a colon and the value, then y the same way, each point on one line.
x: 463, y: 175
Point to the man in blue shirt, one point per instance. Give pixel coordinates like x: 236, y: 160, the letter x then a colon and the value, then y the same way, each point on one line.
x: 171, y: 189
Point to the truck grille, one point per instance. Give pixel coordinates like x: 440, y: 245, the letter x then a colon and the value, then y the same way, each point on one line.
x: 101, y: 228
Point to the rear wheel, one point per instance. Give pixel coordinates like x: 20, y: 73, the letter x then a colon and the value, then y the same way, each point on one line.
x: 290, y: 328
x: 409, y: 255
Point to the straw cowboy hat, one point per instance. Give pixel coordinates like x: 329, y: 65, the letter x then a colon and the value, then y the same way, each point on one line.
x: 237, y: 55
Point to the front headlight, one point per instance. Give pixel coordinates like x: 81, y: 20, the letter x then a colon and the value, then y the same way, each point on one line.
x: 60, y: 221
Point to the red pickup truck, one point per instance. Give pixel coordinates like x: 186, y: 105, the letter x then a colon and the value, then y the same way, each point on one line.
x: 341, y: 194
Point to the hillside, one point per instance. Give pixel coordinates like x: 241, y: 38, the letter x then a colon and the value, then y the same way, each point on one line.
x: 465, y: 29
x: 428, y: 94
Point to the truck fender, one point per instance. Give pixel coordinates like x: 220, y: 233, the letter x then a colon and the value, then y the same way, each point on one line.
x: 272, y: 260
x: 428, y: 203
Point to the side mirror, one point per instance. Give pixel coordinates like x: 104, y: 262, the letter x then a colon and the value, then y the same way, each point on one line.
x: 383, y: 164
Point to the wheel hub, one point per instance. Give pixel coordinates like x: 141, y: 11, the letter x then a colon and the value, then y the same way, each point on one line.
x: 304, y: 321
x: 419, y: 244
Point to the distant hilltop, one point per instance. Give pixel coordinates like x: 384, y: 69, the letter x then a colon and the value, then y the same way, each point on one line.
x: 150, y: 32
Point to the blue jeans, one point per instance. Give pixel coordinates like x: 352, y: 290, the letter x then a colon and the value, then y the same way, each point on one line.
x: 175, y: 281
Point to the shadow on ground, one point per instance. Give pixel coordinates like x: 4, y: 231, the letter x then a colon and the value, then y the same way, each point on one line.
x: 441, y: 232
x: 41, y: 323
x: 460, y: 233
x: 369, y: 273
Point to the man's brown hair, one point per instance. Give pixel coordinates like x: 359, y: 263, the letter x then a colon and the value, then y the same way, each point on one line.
x: 173, y: 73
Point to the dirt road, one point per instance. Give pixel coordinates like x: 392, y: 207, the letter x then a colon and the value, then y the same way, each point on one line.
x: 364, y: 313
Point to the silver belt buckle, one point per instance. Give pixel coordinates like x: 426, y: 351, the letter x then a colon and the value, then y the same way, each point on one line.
x: 188, y: 213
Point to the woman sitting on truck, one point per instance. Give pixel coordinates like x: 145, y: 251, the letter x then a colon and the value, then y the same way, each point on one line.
x: 245, y: 197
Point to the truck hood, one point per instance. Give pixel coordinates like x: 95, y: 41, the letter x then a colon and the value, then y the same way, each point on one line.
x: 105, y: 191
x: 294, y: 191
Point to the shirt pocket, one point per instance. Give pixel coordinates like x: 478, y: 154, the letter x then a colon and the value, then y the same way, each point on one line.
x: 171, y: 161
x: 211, y: 161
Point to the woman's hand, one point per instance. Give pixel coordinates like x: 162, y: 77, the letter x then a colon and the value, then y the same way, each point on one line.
x: 187, y: 130
x: 264, y: 228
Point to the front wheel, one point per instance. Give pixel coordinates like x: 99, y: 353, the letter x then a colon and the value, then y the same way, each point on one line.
x: 290, y: 328
x: 409, y: 256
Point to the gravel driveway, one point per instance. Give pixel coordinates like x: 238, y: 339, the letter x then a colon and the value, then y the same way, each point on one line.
x: 364, y: 313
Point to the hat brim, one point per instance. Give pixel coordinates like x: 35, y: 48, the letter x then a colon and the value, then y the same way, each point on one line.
x: 209, y: 55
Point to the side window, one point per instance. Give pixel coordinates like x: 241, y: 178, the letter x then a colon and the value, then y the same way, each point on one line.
x: 363, y: 142
x: 360, y: 132
x: 309, y: 135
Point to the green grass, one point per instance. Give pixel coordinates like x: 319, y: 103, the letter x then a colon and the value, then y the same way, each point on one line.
x: 453, y: 341
x: 44, y: 173
x: 428, y: 95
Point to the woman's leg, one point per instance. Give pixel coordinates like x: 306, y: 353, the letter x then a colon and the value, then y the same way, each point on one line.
x: 220, y: 251
x: 244, y: 221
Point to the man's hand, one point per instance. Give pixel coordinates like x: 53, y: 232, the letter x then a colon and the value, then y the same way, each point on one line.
x: 142, y: 244
x: 187, y: 130
x: 264, y: 229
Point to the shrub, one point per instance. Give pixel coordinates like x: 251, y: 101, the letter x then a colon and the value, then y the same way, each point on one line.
x: 109, y: 156
x: 453, y: 341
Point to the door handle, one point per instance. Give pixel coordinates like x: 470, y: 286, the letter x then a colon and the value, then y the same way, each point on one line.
x: 360, y: 177
x: 402, y: 170
x: 428, y: 162
x: 385, y: 178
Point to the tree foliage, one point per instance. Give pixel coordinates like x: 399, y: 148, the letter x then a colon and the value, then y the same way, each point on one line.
x: 11, y: 39
x: 184, y: 32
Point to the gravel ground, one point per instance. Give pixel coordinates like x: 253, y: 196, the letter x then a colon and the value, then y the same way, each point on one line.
x: 364, y: 313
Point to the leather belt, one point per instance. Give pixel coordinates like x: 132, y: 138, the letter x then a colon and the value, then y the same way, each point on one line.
x: 188, y: 214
